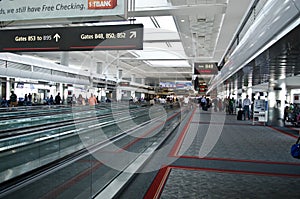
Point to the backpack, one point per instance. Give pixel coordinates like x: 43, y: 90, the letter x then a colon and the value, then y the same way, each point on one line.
x: 295, y: 149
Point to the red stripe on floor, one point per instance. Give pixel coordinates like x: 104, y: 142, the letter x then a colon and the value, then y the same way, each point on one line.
x: 237, y: 171
x: 283, y: 132
x: 158, y: 183
x: 240, y: 160
x: 226, y: 123
x: 160, y: 180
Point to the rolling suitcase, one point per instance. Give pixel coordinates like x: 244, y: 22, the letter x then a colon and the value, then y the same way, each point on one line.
x: 240, y: 115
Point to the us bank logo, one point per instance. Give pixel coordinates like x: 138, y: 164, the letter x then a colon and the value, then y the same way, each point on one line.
x: 101, y: 4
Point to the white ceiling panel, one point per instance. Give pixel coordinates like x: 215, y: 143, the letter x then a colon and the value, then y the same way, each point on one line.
x: 177, y: 33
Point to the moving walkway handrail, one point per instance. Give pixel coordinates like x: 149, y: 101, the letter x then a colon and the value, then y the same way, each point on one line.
x: 67, y: 136
x: 63, y: 127
x: 6, y: 126
x: 47, y: 110
x: 29, y: 177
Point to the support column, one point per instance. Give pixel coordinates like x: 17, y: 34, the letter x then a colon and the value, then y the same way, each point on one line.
x: 99, y: 69
x: 1, y: 91
x: 120, y: 74
x: 276, y: 98
x: 64, y: 59
x: 133, y: 77
x: 8, y: 88
x: 118, y: 90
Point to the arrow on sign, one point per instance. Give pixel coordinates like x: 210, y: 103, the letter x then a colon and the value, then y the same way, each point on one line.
x: 132, y: 34
x: 56, y: 37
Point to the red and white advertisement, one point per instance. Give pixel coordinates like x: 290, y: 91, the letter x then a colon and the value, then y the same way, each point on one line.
x: 18, y: 10
x: 101, y: 4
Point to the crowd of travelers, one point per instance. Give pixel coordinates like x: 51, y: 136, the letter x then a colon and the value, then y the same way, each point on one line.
x: 218, y: 105
x: 228, y: 104
x: 29, y: 100
x: 292, y: 114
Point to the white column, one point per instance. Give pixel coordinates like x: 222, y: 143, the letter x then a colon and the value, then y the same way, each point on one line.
x: 118, y: 94
x: 64, y: 59
x: 8, y: 88
x: 120, y: 74
x: 276, y: 99
x: 99, y: 69
x: 133, y: 77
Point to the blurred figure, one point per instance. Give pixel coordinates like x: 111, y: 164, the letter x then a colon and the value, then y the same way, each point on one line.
x: 4, y: 102
x: 57, y: 98
x: 80, y: 100
x: 13, y: 100
x: 246, y: 107
x: 203, y: 101
x: 74, y: 100
x: 29, y: 102
x: 231, y: 106
x: 220, y: 105
x: 51, y: 100
x: 92, y: 100
x: 152, y: 102
x: 215, y: 104
x: 25, y: 100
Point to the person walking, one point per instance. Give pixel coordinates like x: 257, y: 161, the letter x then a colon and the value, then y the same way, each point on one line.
x: 246, y: 107
x: 92, y: 100
x: 13, y: 100
x: 29, y: 102
x: 57, y: 99
x: 51, y: 101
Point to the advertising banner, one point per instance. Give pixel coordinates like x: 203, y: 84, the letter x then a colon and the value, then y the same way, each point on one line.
x: 52, y: 9
x: 184, y: 85
x: 167, y: 85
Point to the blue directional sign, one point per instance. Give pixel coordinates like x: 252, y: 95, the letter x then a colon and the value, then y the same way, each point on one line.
x: 112, y: 37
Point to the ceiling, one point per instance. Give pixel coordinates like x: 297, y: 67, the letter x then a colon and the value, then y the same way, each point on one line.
x: 177, y: 33
x: 280, y: 62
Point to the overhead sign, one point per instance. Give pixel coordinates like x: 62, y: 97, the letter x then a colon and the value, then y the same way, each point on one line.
x: 184, y: 85
x: 205, y: 68
x: 52, y: 9
x: 167, y: 85
x: 116, y: 37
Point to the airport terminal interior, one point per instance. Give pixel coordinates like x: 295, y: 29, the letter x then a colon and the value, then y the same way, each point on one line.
x: 136, y: 99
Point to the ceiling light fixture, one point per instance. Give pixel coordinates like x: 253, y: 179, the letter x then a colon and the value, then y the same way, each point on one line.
x: 201, y: 20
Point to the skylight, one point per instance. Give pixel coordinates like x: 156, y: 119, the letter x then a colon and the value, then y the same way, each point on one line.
x: 162, y: 41
x: 146, y: 5
x: 169, y: 63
